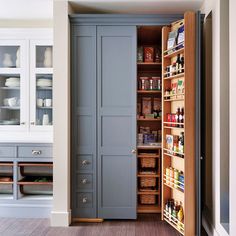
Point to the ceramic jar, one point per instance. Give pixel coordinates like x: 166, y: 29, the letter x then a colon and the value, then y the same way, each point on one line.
x: 7, y: 61
x: 48, y: 57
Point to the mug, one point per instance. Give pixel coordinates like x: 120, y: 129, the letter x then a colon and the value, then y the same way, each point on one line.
x: 11, y: 102
x: 39, y: 102
x: 47, y: 102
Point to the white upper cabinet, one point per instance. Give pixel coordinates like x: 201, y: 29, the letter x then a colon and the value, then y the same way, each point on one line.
x: 26, y: 83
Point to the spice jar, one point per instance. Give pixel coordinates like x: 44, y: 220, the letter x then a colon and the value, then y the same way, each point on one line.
x: 171, y: 176
x: 144, y: 83
x: 176, y: 178
x: 151, y: 84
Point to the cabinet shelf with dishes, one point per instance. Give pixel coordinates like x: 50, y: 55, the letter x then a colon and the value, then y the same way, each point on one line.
x: 24, y: 61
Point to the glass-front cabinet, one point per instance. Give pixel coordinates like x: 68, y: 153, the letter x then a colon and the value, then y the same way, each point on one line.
x: 26, y: 85
x: 13, y: 85
x: 42, y: 82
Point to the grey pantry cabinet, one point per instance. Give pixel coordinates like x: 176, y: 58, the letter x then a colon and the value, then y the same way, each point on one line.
x: 103, y: 54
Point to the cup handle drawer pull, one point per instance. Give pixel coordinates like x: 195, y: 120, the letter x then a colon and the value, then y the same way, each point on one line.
x: 36, y: 152
x: 85, y: 162
x: 85, y: 200
x: 84, y: 181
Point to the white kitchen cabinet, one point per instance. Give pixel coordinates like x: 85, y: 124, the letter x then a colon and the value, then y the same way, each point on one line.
x: 26, y: 87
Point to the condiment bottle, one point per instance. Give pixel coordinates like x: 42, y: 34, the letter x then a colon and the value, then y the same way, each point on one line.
x: 176, y: 177
x: 171, y: 176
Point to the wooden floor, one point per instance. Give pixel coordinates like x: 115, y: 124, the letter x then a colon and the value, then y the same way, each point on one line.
x: 149, y: 225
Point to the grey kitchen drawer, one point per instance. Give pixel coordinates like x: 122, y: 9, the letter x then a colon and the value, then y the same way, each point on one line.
x: 84, y: 181
x: 34, y: 151
x: 6, y: 151
x: 85, y: 200
x: 84, y: 163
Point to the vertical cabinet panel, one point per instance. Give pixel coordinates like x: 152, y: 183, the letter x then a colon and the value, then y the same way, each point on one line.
x: 116, y: 58
x: 84, y: 121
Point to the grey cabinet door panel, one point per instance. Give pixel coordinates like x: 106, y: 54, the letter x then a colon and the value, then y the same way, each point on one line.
x: 116, y: 60
x: 84, y: 120
x: 34, y: 151
x: 7, y: 151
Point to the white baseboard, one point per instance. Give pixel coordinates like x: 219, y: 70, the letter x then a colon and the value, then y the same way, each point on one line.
x: 60, y: 218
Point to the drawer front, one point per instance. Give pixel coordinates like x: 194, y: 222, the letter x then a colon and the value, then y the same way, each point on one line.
x: 7, y: 152
x: 84, y: 181
x: 85, y: 163
x: 84, y: 200
x: 35, y: 151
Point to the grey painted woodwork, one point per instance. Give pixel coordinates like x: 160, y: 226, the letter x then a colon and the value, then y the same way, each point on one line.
x: 17, y: 204
x: 104, y: 112
x: 116, y: 60
x: 84, y: 121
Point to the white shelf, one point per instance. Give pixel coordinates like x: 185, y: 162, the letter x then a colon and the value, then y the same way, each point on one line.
x: 10, y: 88
x: 43, y: 71
x: 10, y: 108
x: 10, y: 71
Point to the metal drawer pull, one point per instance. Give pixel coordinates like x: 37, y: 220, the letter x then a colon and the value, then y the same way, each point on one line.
x: 84, y: 181
x: 85, y: 162
x: 36, y: 152
x: 84, y: 200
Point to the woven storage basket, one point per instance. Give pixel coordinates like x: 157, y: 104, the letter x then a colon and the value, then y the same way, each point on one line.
x: 147, y: 199
x: 148, y: 182
x: 148, y: 162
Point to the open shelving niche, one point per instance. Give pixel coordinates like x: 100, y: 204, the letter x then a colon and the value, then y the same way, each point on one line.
x: 149, y: 36
x: 180, y: 161
x: 27, y: 180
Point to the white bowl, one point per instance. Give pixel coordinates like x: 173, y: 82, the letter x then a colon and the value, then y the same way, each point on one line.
x: 13, y: 79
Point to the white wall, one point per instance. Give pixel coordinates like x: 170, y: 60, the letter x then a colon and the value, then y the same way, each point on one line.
x: 232, y: 18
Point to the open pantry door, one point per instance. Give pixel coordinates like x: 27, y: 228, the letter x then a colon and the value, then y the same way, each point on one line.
x: 181, y: 76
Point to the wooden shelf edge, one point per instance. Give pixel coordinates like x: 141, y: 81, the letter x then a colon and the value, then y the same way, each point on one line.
x: 174, y: 76
x: 148, y: 175
x: 148, y: 119
x: 149, y: 91
x: 36, y: 164
x: 148, y: 209
x: 148, y: 193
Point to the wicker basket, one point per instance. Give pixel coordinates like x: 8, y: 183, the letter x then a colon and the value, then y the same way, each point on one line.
x: 148, y: 182
x: 148, y: 162
x: 148, y: 199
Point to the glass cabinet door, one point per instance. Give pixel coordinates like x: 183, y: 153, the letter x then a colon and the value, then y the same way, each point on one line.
x: 12, y: 85
x: 42, y: 82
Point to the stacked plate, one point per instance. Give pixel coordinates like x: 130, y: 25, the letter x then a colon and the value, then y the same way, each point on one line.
x: 44, y: 82
x: 12, y: 82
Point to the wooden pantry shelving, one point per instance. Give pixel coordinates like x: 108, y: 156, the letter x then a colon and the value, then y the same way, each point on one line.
x: 149, y: 129
x: 179, y: 103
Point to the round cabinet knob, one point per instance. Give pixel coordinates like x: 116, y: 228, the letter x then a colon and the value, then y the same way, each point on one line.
x: 84, y: 200
x: 85, y: 162
x: 84, y: 181
x: 133, y: 151
x: 22, y: 123
x: 32, y: 123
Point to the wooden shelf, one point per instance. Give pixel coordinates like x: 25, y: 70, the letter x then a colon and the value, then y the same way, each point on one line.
x: 173, y: 99
x: 149, y: 175
x: 149, y: 92
x: 175, y: 53
x: 167, y: 185
x: 170, y: 127
x: 169, y: 221
x: 6, y: 163
x: 149, y: 208
x: 6, y: 182
x: 165, y: 53
x: 149, y: 147
x: 149, y: 119
x: 148, y: 192
x: 173, y: 95
x: 167, y: 150
x: 148, y: 156
x: 170, y: 155
x: 149, y: 63
x: 35, y: 164
x: 174, y: 76
x: 173, y: 123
